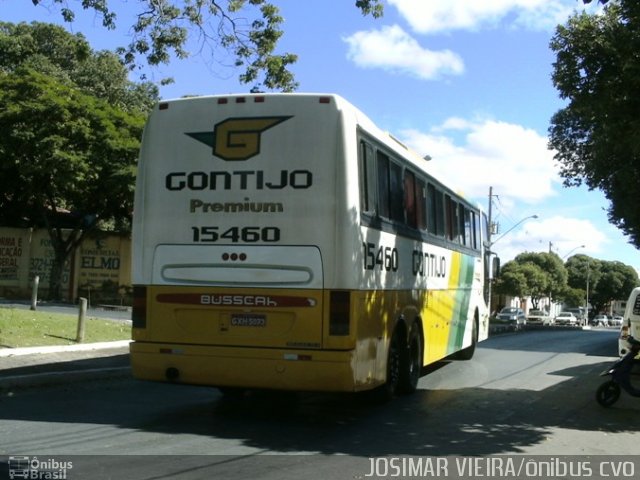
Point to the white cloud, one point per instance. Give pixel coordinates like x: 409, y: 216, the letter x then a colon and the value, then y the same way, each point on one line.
x: 446, y: 15
x: 568, y: 236
x: 471, y: 155
x: 392, y: 49
x: 511, y: 158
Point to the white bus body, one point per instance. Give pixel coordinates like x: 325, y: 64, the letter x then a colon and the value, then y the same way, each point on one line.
x: 274, y: 248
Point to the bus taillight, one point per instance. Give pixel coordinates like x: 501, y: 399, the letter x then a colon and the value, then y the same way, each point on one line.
x: 339, y: 309
x: 139, y: 311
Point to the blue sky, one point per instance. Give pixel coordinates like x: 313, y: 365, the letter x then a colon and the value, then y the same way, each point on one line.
x: 467, y: 82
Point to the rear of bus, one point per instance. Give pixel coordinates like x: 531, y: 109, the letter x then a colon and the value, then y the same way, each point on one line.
x: 234, y: 228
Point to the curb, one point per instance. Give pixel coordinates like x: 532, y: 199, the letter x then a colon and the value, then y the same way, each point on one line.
x: 80, y: 347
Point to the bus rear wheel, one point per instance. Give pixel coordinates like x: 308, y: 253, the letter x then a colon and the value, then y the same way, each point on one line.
x: 404, y: 365
x: 386, y: 392
x: 410, y: 362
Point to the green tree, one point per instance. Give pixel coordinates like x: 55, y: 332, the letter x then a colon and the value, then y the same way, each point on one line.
x: 616, y: 282
x: 535, y: 275
x: 554, y: 269
x: 606, y: 281
x: 63, y: 151
x: 523, y: 279
x: 249, y: 30
x: 537, y: 282
x: 51, y: 50
x: 596, y: 136
x: 574, y: 297
x: 583, y: 271
x: 512, y: 280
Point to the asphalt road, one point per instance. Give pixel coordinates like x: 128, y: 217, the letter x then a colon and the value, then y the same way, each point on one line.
x: 526, y: 393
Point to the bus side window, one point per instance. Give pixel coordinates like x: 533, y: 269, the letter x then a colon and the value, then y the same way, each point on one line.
x: 390, y: 191
x: 440, y: 213
x: 484, y: 231
x: 368, y: 178
x: 383, y: 184
x: 396, y: 192
x: 435, y: 208
x: 421, y: 201
x: 410, y: 198
x: 451, y: 208
x: 468, y: 229
x: 475, y: 234
x: 461, y: 225
x: 466, y: 232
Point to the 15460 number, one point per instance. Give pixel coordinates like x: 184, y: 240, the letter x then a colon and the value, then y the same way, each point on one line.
x: 236, y: 234
x: 386, y: 258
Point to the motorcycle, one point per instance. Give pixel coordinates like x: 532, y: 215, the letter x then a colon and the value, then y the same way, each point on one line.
x: 621, y: 374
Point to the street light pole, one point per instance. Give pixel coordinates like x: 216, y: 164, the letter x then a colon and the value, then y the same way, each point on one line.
x: 571, y: 251
x: 587, y: 305
x: 489, y: 257
x: 512, y: 228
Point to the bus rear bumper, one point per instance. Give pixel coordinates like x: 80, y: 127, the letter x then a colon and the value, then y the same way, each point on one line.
x: 260, y: 368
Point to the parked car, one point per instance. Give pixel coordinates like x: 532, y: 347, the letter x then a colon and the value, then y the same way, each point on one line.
x: 512, y: 316
x: 616, y: 321
x: 566, y: 318
x: 600, y: 320
x: 539, y: 317
x: 579, y: 313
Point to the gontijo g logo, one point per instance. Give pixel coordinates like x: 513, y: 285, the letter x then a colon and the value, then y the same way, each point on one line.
x: 236, y: 139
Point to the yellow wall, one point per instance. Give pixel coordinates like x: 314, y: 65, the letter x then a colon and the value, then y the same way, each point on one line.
x: 14, y: 257
x: 101, y: 260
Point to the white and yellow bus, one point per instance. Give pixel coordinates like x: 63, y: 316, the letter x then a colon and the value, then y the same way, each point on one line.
x: 283, y: 241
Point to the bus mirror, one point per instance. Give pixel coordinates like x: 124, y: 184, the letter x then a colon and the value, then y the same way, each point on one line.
x: 495, y: 267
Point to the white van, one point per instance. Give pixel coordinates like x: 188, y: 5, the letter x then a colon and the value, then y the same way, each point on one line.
x: 630, y: 322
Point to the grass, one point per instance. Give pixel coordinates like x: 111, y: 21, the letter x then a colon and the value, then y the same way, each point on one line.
x: 26, y: 328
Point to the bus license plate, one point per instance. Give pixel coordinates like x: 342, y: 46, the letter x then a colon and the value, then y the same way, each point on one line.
x: 248, y: 320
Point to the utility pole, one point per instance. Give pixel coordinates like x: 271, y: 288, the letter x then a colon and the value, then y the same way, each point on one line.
x: 490, y: 217
x: 489, y: 258
x: 549, y: 307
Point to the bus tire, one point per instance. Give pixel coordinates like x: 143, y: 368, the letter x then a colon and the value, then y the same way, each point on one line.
x: 387, y: 391
x: 411, y: 362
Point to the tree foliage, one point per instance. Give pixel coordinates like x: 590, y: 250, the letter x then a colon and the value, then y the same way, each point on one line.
x: 249, y: 30
x: 535, y: 275
x: 606, y: 281
x: 51, y: 50
x: 512, y: 280
x: 596, y: 136
x: 540, y: 275
x: 71, y: 123
x: 555, y: 271
x: 63, y: 151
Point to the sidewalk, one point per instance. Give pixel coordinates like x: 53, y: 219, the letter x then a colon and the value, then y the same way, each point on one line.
x: 37, y: 366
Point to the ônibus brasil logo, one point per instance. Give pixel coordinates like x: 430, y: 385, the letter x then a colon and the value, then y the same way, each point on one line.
x: 236, y: 139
